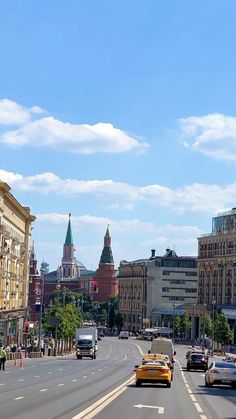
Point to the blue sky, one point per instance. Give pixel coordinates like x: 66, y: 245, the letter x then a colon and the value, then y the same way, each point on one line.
x: 120, y: 113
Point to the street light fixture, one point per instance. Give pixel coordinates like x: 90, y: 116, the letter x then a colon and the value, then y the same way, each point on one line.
x: 213, y: 324
x: 174, y: 306
x: 108, y: 315
x: 42, y: 271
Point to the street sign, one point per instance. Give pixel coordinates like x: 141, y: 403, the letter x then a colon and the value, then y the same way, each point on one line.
x: 12, y: 330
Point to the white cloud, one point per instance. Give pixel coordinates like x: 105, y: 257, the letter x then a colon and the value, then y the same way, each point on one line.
x: 213, y: 135
x: 75, y: 138
x: 11, y: 113
x: 198, y: 198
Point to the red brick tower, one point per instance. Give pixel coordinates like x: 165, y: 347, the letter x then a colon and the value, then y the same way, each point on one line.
x: 105, y: 278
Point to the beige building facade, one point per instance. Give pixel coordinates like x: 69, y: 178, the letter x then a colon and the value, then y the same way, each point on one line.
x: 152, y: 290
x: 15, y: 231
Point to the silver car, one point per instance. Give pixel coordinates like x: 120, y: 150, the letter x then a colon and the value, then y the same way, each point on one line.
x: 220, y: 372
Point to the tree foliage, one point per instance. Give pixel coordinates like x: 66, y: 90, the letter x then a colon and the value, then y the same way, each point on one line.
x: 185, y: 324
x: 206, y: 325
x: 222, y: 332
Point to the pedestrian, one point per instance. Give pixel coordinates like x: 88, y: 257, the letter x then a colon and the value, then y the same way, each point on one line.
x: 3, y: 356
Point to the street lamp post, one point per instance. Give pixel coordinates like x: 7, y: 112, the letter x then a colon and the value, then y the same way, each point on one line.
x: 174, y: 305
x: 41, y: 308
x: 56, y: 331
x: 108, y: 315
x: 213, y: 324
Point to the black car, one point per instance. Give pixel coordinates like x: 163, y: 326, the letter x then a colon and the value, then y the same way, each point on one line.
x: 197, y: 361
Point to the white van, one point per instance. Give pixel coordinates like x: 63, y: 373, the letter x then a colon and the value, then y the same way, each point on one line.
x: 163, y: 346
x: 124, y: 334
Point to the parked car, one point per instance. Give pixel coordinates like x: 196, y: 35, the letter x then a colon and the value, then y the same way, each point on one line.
x: 197, y: 361
x: 221, y: 372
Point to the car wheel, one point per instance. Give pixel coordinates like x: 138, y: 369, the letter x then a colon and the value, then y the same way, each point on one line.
x: 138, y: 383
x: 188, y: 369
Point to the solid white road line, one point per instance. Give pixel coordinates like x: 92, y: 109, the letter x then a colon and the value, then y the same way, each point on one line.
x: 96, y: 407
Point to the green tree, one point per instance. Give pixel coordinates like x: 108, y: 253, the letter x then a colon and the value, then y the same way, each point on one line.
x: 222, y: 332
x: 119, y: 322
x: 112, y: 316
x: 206, y: 325
x: 185, y: 324
x: 176, y: 325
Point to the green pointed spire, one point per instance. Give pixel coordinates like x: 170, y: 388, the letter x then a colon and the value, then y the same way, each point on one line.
x: 69, y: 238
x: 106, y: 256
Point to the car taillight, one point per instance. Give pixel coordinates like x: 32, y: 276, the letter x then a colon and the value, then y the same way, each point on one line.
x: 214, y: 371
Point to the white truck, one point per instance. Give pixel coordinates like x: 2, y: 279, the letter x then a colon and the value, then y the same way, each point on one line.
x: 86, y: 342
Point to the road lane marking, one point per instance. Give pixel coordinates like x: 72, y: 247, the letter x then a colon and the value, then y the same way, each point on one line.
x: 2, y: 384
x: 100, y: 369
x: 75, y: 380
x: 36, y: 376
x: 160, y: 409
x: 96, y: 407
x: 84, y: 376
x: 92, y: 373
x: 198, y: 407
x: 22, y: 379
x: 60, y: 385
x: 44, y: 389
x: 193, y: 398
x: 19, y: 398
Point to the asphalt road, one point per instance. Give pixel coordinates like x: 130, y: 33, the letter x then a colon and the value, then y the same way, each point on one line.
x: 104, y: 388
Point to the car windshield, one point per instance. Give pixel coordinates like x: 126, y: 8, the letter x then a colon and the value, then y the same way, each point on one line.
x: 224, y: 365
x: 197, y: 357
x: 84, y: 342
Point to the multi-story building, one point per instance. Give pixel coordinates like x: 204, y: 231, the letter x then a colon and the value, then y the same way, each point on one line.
x: 217, y: 267
x: 15, y: 230
x: 153, y: 290
x: 133, y: 293
x: 217, y: 262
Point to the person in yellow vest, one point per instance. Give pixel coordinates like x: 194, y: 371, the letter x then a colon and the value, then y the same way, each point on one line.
x: 3, y: 355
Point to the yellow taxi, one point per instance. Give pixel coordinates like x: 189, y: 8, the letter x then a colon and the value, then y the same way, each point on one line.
x: 153, y: 371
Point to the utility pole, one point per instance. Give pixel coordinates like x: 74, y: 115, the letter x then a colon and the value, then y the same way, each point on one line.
x: 42, y: 271
x: 213, y: 324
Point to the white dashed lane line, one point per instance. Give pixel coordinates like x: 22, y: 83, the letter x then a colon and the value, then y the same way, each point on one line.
x: 19, y: 398
x: 44, y: 389
x: 60, y: 385
x: 193, y: 398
